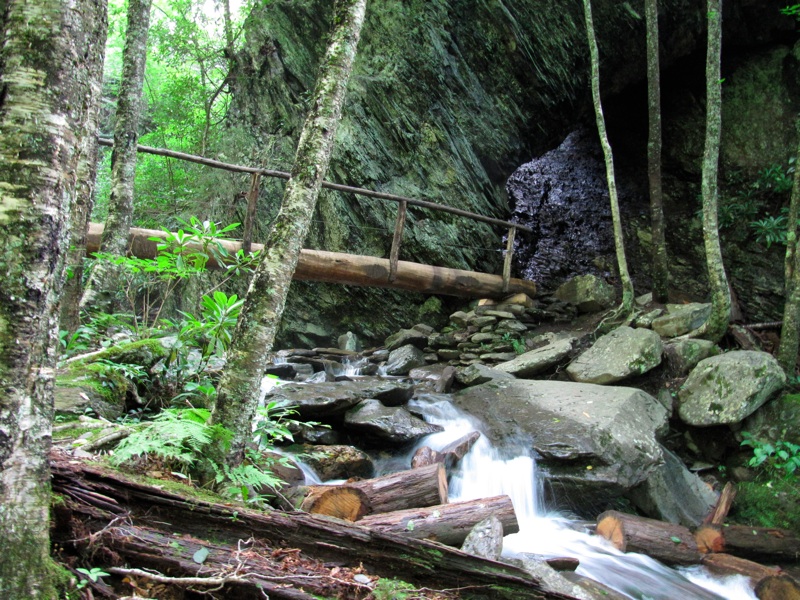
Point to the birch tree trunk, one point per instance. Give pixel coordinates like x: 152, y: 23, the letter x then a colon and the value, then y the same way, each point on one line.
x: 626, y: 308
x: 660, y: 268
x: 717, y: 324
x: 790, y: 332
x: 44, y: 82
x: 100, y: 293
x: 83, y: 201
x: 237, y: 395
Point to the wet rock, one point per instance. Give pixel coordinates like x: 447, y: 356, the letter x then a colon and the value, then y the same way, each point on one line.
x: 550, y: 579
x: 479, y: 373
x: 485, y: 539
x: 392, y: 425
x: 323, y: 400
x: 556, y: 348
x: 403, y: 359
x: 681, y: 356
x: 672, y: 493
x: 728, y: 388
x: 588, y: 293
x: 681, y: 319
x: 595, y: 442
x: 336, y: 462
x: 623, y: 353
x: 407, y: 336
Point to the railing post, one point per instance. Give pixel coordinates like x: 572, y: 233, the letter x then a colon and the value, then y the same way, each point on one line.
x: 509, y: 254
x: 398, y: 236
x: 250, y: 215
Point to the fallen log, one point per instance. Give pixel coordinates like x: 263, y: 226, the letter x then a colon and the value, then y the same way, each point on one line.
x: 778, y: 587
x: 722, y: 507
x: 670, y: 543
x: 756, y: 543
x: 447, y: 523
x: 349, y: 269
x: 414, y: 488
x: 727, y: 564
x: 450, y: 455
x: 100, y: 497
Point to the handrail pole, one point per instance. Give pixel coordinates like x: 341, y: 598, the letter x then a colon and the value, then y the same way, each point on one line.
x: 509, y: 254
x: 394, y: 255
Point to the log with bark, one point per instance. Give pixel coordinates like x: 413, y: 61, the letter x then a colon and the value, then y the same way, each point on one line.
x: 755, y: 543
x: 351, y: 269
x: 98, y: 500
x: 450, y: 455
x: 670, y: 543
x: 426, y: 486
x: 778, y: 587
x: 727, y: 564
x: 447, y: 523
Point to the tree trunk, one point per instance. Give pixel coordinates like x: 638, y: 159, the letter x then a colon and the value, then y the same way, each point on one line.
x: 447, y: 523
x: 670, y: 543
x: 237, y: 394
x: 100, y: 293
x: 660, y: 263
x: 790, y: 332
x: 83, y: 202
x: 717, y: 324
x: 44, y: 83
x: 626, y: 307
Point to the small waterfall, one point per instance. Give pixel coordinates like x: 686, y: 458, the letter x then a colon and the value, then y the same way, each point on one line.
x: 486, y: 471
x: 353, y: 367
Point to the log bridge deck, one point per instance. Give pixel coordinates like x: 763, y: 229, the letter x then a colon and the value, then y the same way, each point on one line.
x: 350, y: 269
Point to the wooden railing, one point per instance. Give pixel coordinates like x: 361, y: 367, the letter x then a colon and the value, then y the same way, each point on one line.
x: 403, y: 202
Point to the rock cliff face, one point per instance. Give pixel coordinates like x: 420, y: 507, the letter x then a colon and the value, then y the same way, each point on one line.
x: 447, y: 98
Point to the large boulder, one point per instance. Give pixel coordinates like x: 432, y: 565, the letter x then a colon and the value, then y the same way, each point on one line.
x: 595, y: 442
x: 335, y: 462
x: 393, y: 425
x: 404, y: 359
x: 778, y: 419
x: 683, y: 355
x: 322, y: 400
x: 728, y: 388
x: 479, y: 373
x: 588, y: 293
x: 681, y: 318
x: 623, y: 353
x: 673, y: 493
x: 553, y: 348
x: 407, y: 336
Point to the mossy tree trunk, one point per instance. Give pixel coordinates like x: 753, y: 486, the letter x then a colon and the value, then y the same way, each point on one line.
x: 237, y: 396
x: 790, y: 332
x: 42, y: 112
x: 87, y: 170
x: 100, y: 288
x: 717, y: 324
x: 626, y: 308
x: 660, y: 268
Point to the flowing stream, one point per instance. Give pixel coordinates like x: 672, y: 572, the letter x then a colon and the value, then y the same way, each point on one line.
x: 485, y: 471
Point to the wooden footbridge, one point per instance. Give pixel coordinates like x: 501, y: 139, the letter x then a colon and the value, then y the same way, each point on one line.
x: 350, y: 269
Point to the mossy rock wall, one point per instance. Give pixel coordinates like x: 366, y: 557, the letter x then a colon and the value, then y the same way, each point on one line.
x: 446, y: 99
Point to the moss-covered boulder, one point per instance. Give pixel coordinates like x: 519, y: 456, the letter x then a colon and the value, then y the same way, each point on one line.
x: 726, y: 389
x: 622, y: 353
x: 778, y: 419
x: 101, y: 382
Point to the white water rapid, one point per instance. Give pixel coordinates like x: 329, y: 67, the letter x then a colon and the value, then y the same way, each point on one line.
x: 485, y: 472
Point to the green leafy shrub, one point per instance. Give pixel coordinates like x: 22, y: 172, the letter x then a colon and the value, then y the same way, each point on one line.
x: 778, y: 459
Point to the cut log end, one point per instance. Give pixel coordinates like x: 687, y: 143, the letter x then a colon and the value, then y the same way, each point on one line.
x: 709, y: 539
x: 342, y: 502
x: 610, y: 527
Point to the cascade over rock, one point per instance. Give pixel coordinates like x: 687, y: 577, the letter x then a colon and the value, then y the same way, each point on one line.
x: 595, y: 442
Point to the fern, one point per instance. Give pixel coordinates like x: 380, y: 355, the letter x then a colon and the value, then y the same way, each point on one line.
x: 176, y: 436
